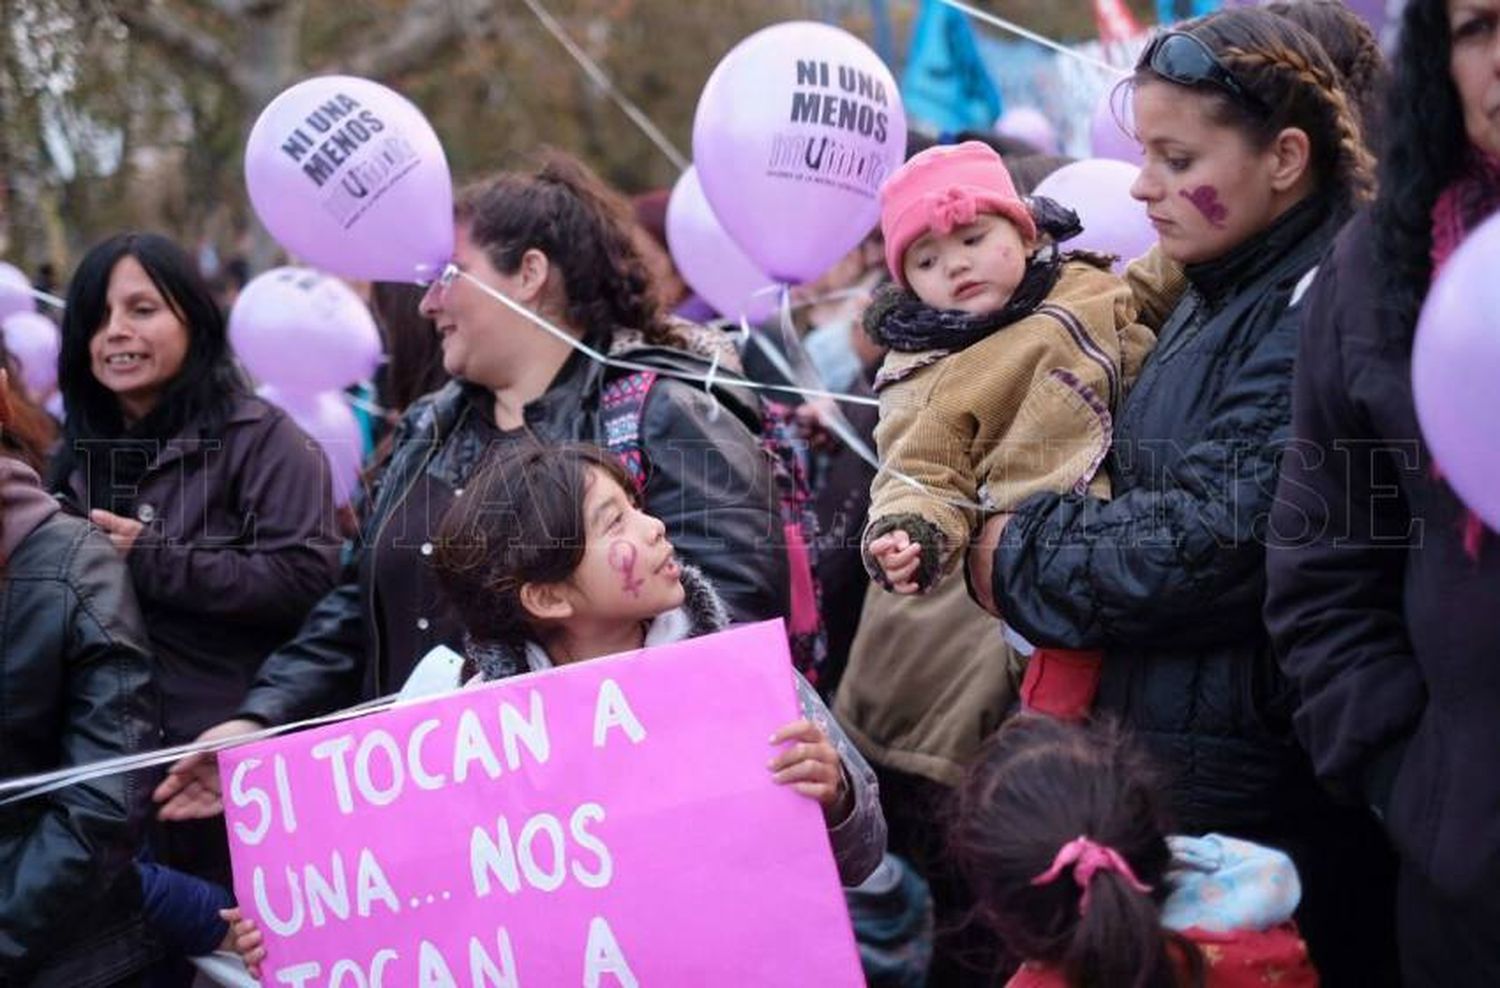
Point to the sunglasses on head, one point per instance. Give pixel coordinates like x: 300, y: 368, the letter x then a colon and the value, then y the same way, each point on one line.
x: 1181, y: 58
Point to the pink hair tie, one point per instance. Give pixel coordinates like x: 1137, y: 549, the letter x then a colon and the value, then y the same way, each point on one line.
x: 1087, y: 859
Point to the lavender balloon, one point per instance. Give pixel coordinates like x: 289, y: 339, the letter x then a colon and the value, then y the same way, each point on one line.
x: 15, y: 291
x: 327, y: 418
x: 1112, y: 130
x: 1099, y: 189
x: 304, y: 332
x: 349, y: 176
x: 1029, y: 124
x: 709, y: 259
x: 35, y: 341
x: 1454, y: 366
x: 795, y: 131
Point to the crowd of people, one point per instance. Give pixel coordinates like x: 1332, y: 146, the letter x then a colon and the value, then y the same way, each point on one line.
x: 1154, y: 654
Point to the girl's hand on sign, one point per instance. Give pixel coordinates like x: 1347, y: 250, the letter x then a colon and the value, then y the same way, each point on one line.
x: 811, y: 766
x: 244, y: 938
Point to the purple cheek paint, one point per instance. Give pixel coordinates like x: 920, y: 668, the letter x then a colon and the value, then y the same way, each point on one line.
x: 1205, y: 199
x: 622, y: 560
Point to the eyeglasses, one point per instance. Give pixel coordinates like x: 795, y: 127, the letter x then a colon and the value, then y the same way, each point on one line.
x: 1187, y: 61
x: 444, y: 279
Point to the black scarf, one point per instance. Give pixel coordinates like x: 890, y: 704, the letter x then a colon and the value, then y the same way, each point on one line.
x: 896, y: 318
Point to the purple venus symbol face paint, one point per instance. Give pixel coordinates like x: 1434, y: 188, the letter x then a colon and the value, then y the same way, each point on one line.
x: 622, y: 560
x: 1205, y: 199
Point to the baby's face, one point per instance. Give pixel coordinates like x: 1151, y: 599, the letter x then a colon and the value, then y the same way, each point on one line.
x: 974, y: 268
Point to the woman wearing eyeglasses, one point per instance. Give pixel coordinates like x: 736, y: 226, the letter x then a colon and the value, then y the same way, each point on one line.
x: 1253, y: 161
x: 1384, y: 591
x: 553, y: 241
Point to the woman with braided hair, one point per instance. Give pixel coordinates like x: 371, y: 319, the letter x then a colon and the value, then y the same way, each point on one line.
x: 1384, y: 591
x: 1350, y: 45
x: 1253, y: 161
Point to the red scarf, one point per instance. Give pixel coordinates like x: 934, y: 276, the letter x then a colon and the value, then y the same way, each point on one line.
x: 1468, y: 201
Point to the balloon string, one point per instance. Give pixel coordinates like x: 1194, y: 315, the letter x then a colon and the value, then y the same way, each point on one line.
x: 630, y: 365
x: 31, y: 786
x: 1045, y: 42
x: 47, y: 297
x: 805, y: 383
x: 603, y: 81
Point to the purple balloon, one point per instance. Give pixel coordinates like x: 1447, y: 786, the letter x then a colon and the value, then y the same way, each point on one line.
x: 795, y: 131
x: 1112, y: 130
x: 349, y: 176
x: 1454, y: 366
x: 1029, y: 124
x: 15, y: 291
x: 304, y: 332
x: 327, y: 418
x: 35, y: 341
x: 1099, y: 189
x: 709, y: 259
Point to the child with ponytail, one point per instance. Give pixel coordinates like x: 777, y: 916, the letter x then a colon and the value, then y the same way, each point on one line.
x: 1061, y: 834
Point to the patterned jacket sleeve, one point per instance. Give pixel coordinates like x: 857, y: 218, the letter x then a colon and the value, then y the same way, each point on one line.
x: 859, y: 839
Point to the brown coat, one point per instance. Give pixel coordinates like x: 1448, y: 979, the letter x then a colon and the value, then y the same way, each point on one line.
x: 929, y: 676
x: 239, y: 543
x: 1026, y: 409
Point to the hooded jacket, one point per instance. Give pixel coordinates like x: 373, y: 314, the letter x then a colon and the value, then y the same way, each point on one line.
x: 75, y: 688
x: 710, y: 483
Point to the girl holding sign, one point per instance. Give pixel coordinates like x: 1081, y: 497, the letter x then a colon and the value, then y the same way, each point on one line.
x: 552, y: 560
x: 549, y: 559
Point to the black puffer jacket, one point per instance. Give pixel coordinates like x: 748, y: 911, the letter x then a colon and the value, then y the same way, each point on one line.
x: 709, y: 482
x: 75, y: 688
x: 1168, y: 576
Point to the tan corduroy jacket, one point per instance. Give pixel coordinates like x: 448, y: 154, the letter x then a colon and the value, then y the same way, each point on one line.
x: 1027, y: 409
x: 929, y: 677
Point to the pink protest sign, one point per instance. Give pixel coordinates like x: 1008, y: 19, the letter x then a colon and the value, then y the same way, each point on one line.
x: 609, y: 823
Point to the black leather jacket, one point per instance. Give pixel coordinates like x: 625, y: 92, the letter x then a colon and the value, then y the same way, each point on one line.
x: 709, y: 482
x: 75, y: 687
x: 1168, y: 577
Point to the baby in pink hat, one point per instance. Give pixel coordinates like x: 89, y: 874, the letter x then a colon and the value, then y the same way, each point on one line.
x: 1007, y: 360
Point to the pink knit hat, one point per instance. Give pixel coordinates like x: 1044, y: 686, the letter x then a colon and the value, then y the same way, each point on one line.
x: 944, y: 187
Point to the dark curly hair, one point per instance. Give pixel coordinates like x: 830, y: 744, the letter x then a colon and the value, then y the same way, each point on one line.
x: 1289, y: 71
x: 1351, y: 47
x: 520, y: 521
x: 565, y: 211
x: 1037, y: 784
x: 1423, y: 150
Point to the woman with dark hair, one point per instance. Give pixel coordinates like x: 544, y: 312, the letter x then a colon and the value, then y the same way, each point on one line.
x: 221, y: 507
x: 555, y: 242
x: 76, y: 673
x: 1384, y: 590
x: 1352, y: 48
x: 1253, y: 161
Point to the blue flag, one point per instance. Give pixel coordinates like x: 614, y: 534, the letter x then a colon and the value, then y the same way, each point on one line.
x: 1172, y: 11
x: 945, y: 84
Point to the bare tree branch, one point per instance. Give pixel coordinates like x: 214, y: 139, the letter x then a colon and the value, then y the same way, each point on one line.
x: 246, y: 8
x: 161, y: 29
x: 427, y: 27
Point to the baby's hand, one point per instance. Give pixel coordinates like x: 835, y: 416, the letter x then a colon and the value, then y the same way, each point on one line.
x: 243, y: 938
x: 812, y: 767
x: 898, y: 557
